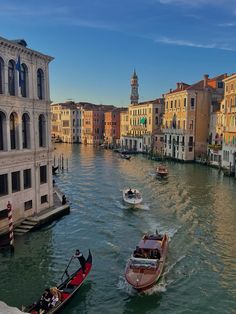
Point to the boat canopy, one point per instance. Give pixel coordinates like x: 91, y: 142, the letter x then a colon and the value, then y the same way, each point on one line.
x: 150, y: 245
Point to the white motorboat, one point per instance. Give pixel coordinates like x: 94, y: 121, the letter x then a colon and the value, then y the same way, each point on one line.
x: 132, y: 196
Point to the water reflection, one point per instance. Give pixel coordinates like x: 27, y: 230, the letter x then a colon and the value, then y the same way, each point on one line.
x: 195, y: 206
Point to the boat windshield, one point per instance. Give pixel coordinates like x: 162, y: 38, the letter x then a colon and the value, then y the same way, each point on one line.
x: 143, y: 263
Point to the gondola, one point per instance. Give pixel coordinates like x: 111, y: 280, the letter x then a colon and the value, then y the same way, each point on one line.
x: 54, y: 169
x: 67, y: 288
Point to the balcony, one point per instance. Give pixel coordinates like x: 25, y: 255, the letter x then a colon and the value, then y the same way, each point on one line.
x: 230, y: 129
x: 176, y: 131
x: 215, y: 146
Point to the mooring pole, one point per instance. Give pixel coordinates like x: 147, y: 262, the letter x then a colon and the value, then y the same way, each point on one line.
x: 10, y: 223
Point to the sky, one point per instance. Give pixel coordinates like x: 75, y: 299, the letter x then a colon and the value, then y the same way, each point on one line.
x: 97, y: 44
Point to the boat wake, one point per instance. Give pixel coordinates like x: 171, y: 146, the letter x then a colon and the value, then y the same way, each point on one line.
x: 124, y: 286
x: 143, y: 207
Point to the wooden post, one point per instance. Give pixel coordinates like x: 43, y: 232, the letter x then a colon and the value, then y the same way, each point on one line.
x: 10, y: 223
x: 67, y: 164
x: 62, y: 162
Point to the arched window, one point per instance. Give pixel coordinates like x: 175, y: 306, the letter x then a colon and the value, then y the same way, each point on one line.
x: 2, y: 131
x: 25, y: 131
x: 40, y: 82
x: 23, y: 80
x: 42, y: 131
x: 1, y: 75
x: 14, y: 130
x: 11, y: 78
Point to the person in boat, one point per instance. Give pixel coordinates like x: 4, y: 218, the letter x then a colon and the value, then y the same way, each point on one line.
x: 130, y: 193
x: 44, y: 303
x: 56, y: 296
x: 137, y: 252
x: 82, y: 261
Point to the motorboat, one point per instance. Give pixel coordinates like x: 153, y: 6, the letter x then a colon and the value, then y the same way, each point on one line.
x: 132, y: 196
x: 145, y: 266
x: 125, y: 156
x: 162, y: 171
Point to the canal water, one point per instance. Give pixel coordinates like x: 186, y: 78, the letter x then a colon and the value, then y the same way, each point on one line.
x: 196, y: 207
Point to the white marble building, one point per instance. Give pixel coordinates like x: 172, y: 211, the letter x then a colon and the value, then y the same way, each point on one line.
x: 25, y: 131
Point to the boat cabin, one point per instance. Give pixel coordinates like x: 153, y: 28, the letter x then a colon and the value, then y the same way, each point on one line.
x: 149, y: 247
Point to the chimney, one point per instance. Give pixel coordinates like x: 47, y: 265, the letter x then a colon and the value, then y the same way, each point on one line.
x: 177, y: 85
x: 170, y: 90
x: 205, y: 79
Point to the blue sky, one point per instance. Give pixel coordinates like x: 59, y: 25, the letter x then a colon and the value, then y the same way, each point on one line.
x: 98, y: 43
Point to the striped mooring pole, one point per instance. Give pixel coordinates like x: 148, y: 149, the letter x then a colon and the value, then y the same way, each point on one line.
x: 10, y: 222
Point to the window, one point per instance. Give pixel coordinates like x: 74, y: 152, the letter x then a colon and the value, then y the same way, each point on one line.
x: 220, y: 84
x: 13, y: 130
x: 25, y: 131
x: 1, y: 75
x: 3, y: 185
x: 15, y: 181
x: 42, y: 131
x: 185, y: 102
x: 40, y: 81
x: 27, y: 178
x: 44, y: 199
x: 11, y: 78
x: 28, y: 205
x: 23, y: 80
x: 3, y: 214
x: 192, y: 103
x: 43, y: 174
x: 2, y: 131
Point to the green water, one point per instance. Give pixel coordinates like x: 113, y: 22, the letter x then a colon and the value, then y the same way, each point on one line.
x: 196, y: 207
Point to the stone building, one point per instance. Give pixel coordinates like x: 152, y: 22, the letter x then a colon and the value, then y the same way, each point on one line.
x: 228, y: 109
x: 187, y: 117
x: 25, y: 125
x: 66, y: 122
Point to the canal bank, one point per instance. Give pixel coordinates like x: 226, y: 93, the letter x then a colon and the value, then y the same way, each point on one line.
x: 38, y: 220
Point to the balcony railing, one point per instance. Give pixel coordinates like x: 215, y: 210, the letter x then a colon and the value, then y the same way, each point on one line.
x: 215, y: 146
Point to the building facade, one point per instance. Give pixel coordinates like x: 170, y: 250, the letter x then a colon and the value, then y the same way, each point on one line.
x: 112, y: 127
x: 229, y: 124
x: 144, y: 121
x: 25, y: 125
x: 92, y: 126
x: 66, y: 122
x: 187, y: 117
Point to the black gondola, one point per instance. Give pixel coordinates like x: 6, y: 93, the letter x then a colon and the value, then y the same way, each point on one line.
x: 54, y: 169
x: 67, y: 288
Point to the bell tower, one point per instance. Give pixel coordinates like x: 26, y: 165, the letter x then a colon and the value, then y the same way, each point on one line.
x: 134, y: 89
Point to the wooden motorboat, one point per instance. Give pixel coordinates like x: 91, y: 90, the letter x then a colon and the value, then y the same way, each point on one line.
x: 146, y: 264
x: 67, y: 288
x: 132, y: 196
x: 162, y: 171
x: 125, y: 156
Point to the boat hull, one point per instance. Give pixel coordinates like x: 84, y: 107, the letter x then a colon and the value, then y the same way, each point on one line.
x: 132, y: 200
x: 148, y: 271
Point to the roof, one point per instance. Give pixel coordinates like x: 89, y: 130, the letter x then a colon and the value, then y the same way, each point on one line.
x: 150, y: 244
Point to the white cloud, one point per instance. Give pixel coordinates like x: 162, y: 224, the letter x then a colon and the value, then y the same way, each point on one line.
x: 186, y: 43
x: 195, y: 3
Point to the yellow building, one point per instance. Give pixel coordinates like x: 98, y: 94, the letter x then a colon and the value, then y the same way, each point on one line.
x: 186, y: 118
x: 144, y: 121
x: 124, y: 122
x: 228, y: 109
